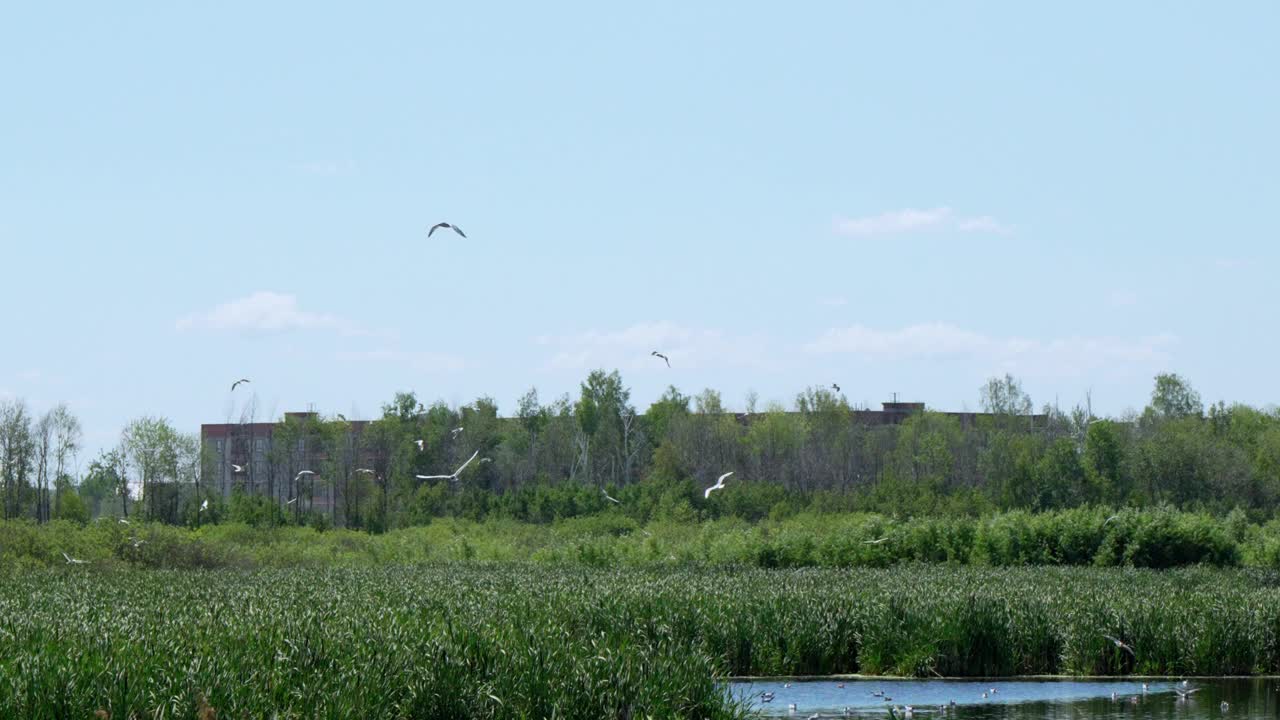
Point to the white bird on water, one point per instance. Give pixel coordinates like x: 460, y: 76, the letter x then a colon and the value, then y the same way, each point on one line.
x: 446, y: 226
x: 455, y: 474
x: 718, y: 486
x: 74, y: 561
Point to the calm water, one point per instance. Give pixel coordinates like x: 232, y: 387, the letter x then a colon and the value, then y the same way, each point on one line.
x: 1016, y: 699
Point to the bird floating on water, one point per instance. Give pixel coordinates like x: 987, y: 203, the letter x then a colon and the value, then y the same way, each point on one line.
x: 455, y: 474
x: 655, y: 353
x: 446, y: 226
x: 718, y: 486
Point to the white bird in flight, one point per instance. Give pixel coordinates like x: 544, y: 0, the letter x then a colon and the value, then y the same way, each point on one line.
x: 204, y: 506
x: 655, y: 353
x: 1120, y: 645
x: 237, y: 383
x: 292, y: 501
x: 419, y: 444
x: 455, y: 474
x: 301, y: 473
x: 718, y: 486
x: 122, y: 521
x: 237, y: 468
x: 446, y: 226
x: 364, y: 470
x: 875, y: 542
x: 73, y: 561
x: 609, y: 497
x: 454, y: 432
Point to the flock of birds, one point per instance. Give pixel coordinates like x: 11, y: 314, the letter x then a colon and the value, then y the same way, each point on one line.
x: 1183, y: 690
x: 454, y: 476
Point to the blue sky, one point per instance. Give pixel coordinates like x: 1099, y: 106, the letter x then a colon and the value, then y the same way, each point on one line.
x: 898, y: 197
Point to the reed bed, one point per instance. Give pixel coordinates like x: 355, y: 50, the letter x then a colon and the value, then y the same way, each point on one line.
x: 514, y: 641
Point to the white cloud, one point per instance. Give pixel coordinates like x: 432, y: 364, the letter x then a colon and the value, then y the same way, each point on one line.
x: 914, y: 220
x: 422, y: 361
x: 1055, y: 356
x: 629, y: 348
x: 1123, y: 298
x: 264, y: 312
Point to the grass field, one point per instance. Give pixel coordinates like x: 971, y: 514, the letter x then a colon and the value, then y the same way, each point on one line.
x: 512, y: 641
x: 1087, y: 536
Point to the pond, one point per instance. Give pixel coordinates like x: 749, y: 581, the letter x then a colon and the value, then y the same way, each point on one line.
x: 1016, y: 699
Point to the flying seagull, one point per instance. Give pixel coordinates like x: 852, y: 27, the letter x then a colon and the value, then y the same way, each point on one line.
x: 74, y: 561
x: 1184, y: 693
x: 875, y: 542
x: 455, y: 474
x: 237, y: 468
x: 364, y: 470
x: 298, y: 477
x: 204, y: 506
x: 419, y: 444
x: 446, y: 226
x: 1120, y: 645
x: 454, y: 432
x: 294, y: 500
x: 1113, y: 517
x: 484, y: 460
x: 835, y: 387
x: 655, y: 353
x: 122, y: 521
x: 718, y: 486
x: 235, y: 384
x: 609, y: 497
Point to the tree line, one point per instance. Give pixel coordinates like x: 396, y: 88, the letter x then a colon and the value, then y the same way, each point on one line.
x: 553, y: 460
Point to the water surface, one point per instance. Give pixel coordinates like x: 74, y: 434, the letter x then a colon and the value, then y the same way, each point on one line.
x: 1109, y: 699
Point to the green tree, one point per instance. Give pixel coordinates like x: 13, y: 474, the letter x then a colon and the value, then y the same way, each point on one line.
x: 1174, y: 398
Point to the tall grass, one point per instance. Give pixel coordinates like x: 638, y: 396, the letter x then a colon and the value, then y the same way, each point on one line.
x: 512, y: 641
x: 1149, y: 538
